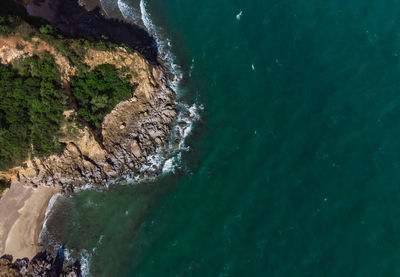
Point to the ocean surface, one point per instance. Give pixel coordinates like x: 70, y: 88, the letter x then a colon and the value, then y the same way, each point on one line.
x: 293, y: 166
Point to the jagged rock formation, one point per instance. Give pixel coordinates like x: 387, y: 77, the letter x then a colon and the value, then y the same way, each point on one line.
x: 43, y: 264
x: 129, y: 134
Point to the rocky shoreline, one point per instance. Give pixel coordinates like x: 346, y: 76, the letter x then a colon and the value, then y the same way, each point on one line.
x: 129, y: 137
x: 43, y: 264
x: 132, y: 132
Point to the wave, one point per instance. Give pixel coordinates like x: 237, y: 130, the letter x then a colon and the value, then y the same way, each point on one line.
x: 239, y: 15
x: 85, y: 258
x: 187, y: 114
x: 165, y: 160
x: 128, y: 12
x: 164, y: 46
x: 108, y: 7
x: 191, y: 68
x: 50, y: 206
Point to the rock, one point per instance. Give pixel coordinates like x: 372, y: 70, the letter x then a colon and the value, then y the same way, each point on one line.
x: 43, y: 264
x: 176, y: 143
x: 129, y: 134
x: 7, y: 257
x: 22, y: 266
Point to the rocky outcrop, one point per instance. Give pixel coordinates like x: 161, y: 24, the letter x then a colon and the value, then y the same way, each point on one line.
x: 132, y: 132
x: 43, y: 264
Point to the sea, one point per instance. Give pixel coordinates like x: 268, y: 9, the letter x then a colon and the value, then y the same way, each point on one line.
x: 291, y: 166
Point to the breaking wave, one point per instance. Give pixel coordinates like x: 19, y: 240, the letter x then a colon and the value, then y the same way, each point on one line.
x: 50, y: 206
x: 128, y: 12
x: 166, y: 160
x: 164, y: 46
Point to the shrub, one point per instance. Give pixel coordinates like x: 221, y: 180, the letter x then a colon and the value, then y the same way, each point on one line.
x: 97, y: 92
x: 31, y: 106
x: 5, y: 30
x: 47, y: 29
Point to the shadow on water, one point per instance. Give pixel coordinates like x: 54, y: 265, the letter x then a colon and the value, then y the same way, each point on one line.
x: 73, y: 19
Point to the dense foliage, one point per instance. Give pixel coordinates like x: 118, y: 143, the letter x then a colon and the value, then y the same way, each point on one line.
x: 5, y: 22
x: 32, y: 99
x: 31, y: 106
x: 97, y: 91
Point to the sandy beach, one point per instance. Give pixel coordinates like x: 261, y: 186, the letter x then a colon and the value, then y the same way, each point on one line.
x: 22, y: 211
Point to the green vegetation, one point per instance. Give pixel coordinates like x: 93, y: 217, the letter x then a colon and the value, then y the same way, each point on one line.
x: 32, y: 102
x: 6, y: 22
x: 98, y: 91
x: 33, y: 98
x: 14, y: 20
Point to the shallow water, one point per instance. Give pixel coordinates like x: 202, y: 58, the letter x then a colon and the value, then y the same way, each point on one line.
x: 293, y: 168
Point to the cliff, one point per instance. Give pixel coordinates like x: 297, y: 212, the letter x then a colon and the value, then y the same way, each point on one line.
x: 74, y: 111
x: 128, y: 135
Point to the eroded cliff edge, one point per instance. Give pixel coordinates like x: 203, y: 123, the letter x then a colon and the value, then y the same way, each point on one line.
x: 130, y: 134
x: 121, y: 147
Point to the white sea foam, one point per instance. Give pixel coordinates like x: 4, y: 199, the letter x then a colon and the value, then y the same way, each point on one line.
x: 239, y: 15
x: 156, y: 163
x: 88, y: 186
x: 171, y: 164
x: 191, y: 68
x: 164, y: 45
x: 128, y: 12
x: 187, y: 115
x: 85, y: 259
x: 52, y: 201
x: 153, y: 162
x: 169, y: 159
x: 165, y: 160
x: 145, y: 17
x: 68, y: 255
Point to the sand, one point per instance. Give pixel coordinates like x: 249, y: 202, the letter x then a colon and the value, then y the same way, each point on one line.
x: 22, y: 211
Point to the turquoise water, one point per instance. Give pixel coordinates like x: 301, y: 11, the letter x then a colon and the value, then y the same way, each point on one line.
x: 293, y: 168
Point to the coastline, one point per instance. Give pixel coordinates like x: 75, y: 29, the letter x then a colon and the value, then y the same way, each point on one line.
x: 132, y: 133
x: 141, y: 137
x: 22, y: 210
